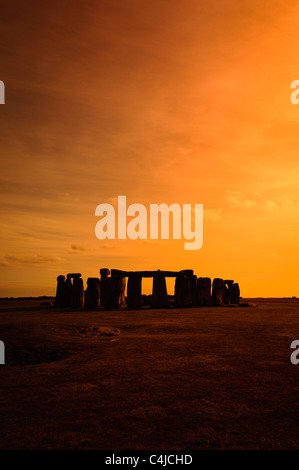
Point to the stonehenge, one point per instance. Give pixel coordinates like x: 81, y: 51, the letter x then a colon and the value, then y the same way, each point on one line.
x: 116, y: 289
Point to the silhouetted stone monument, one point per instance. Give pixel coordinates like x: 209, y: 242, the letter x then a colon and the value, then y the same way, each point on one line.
x: 234, y: 294
x: 104, y: 272
x: 194, y: 290
x: 109, y: 292
x: 134, y: 289
x: 204, y: 298
x: 92, y: 293
x: 68, y: 292
x: 226, y: 295
x: 182, y: 292
x: 114, y: 292
x: 218, y: 292
x: 78, y: 292
x: 159, y: 295
x: 60, y: 300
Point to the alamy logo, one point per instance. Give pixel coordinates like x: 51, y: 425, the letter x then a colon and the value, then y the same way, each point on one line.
x: 138, y: 226
x: 294, y: 356
x: 2, y: 92
x: 2, y: 353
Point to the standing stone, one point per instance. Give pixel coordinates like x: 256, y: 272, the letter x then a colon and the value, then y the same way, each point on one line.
x: 68, y: 292
x: 218, y: 292
x: 194, y: 290
x: 226, y: 295
x: 182, y: 292
x: 159, y: 295
x: 60, y: 300
x: 134, y: 296
x: 78, y: 293
x: 105, y: 272
x: 234, y: 294
x: 204, y: 298
x: 227, y: 288
x: 92, y: 293
x: 114, y: 292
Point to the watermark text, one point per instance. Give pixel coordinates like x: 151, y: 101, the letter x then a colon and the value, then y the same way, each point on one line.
x: 183, y: 221
x: 2, y: 92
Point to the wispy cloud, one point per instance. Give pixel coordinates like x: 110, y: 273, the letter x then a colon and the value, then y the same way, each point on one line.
x: 270, y: 205
x: 212, y: 214
x: 12, y: 260
x: 236, y: 199
x: 77, y: 249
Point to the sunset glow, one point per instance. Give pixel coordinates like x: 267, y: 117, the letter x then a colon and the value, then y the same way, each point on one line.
x: 164, y: 102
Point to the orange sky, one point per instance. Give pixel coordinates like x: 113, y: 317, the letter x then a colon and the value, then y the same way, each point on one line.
x: 161, y: 101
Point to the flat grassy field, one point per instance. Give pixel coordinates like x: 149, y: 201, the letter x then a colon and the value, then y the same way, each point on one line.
x: 181, y: 379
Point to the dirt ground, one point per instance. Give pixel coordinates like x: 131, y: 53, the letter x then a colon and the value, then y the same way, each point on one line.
x: 182, y: 379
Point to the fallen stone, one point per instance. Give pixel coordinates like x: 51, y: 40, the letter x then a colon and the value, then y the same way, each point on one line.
x: 247, y: 304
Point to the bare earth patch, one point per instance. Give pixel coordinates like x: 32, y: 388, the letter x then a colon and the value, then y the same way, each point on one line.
x: 188, y: 379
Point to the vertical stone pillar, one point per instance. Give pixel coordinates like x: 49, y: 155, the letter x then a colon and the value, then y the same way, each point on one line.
x: 182, y: 292
x: 218, y: 292
x: 227, y: 287
x: 115, y: 292
x: 115, y: 289
x: 204, y: 298
x: 78, y: 292
x: 92, y: 293
x: 68, y: 292
x: 104, y: 272
x: 134, y: 296
x: 60, y: 299
x: 159, y: 295
x: 194, y: 290
x: 226, y: 295
x: 234, y: 294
